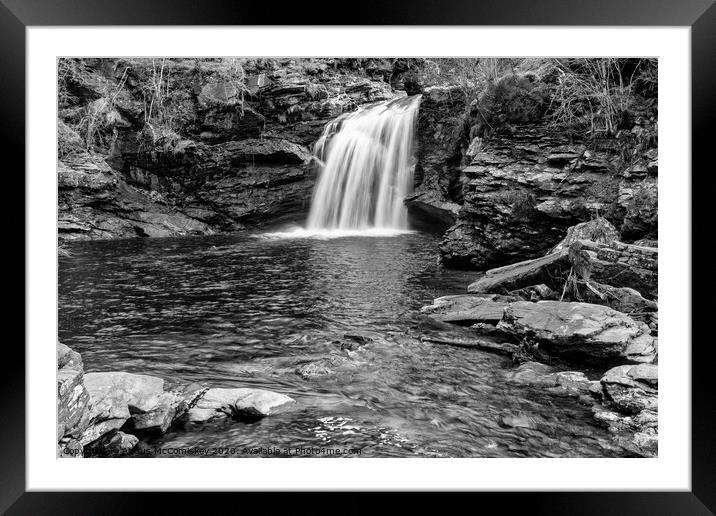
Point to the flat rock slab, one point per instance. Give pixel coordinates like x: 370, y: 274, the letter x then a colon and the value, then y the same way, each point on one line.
x: 141, y: 392
x: 240, y: 402
x: 467, y: 309
x: 580, y: 330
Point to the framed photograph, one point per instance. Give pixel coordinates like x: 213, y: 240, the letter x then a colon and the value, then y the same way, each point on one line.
x: 435, y: 242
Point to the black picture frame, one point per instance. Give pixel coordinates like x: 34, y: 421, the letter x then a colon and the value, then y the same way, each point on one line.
x: 700, y: 15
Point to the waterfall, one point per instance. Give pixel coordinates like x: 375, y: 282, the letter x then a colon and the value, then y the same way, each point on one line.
x: 366, y: 168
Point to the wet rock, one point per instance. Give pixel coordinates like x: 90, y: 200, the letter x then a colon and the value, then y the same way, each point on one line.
x: 532, y: 373
x: 437, y: 172
x: 112, y: 444
x: 517, y: 421
x: 430, y: 211
x: 542, y: 375
x: 239, y: 402
x: 352, y: 341
x: 467, y: 309
x: 580, y: 330
x: 522, y: 274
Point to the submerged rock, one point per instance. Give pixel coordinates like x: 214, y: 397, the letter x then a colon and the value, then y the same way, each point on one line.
x: 580, y: 330
x: 542, y: 375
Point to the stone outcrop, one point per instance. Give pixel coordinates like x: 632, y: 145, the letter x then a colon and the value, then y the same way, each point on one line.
x: 438, y: 195
x: 96, y: 202
x: 230, y: 154
x: 527, y: 184
x: 106, y: 414
x: 580, y: 330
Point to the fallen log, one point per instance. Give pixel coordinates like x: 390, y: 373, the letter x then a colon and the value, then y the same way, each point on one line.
x: 545, y: 270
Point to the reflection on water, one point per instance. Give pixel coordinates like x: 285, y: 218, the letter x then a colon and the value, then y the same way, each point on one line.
x: 244, y: 311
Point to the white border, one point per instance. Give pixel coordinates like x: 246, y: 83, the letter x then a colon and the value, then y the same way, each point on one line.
x: 670, y: 471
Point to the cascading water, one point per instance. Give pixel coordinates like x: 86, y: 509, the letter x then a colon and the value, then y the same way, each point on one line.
x: 366, y: 168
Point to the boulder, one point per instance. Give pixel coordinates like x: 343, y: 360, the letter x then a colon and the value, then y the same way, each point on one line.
x: 580, y: 330
x: 467, y: 309
x: 117, y: 393
x: 598, y: 230
x: 631, y: 389
x: 115, y: 397
x: 238, y: 402
x: 157, y: 421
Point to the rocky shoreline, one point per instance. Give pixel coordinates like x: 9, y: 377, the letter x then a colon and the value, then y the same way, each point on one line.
x: 519, y: 310
x: 105, y: 414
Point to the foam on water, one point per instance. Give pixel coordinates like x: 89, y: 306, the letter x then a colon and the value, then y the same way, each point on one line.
x: 328, y: 234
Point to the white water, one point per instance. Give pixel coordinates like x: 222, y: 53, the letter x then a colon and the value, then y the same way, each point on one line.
x: 366, y: 172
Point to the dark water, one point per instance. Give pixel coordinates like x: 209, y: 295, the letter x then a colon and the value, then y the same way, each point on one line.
x: 233, y: 311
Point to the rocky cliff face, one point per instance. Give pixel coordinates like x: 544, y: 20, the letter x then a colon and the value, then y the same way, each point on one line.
x: 527, y: 184
x: 187, y: 146
x: 225, y: 154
